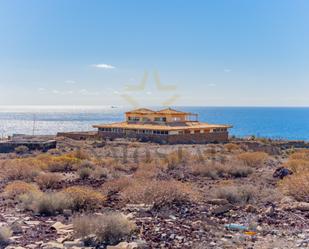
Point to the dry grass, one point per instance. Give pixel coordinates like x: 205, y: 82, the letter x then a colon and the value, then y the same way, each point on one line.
x: 217, y: 170
x: 5, y: 234
x: 296, y: 185
x: 116, y: 185
x: 84, y: 173
x: 253, y: 159
x: 46, y: 203
x: 62, y: 163
x: 176, y: 158
x: 48, y: 180
x: 100, y: 173
x: 298, y: 165
x: 212, y: 170
x: 22, y: 149
x: 301, y: 154
x: 80, y: 154
x: 20, y: 169
x: 16, y: 188
x: 230, y: 147
x: 109, y: 228
x: 150, y: 170
x: 84, y: 198
x: 236, y: 195
x: 158, y: 193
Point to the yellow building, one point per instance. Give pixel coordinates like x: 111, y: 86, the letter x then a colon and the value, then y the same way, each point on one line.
x: 164, y: 126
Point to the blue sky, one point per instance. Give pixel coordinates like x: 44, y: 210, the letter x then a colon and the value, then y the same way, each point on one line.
x: 213, y: 53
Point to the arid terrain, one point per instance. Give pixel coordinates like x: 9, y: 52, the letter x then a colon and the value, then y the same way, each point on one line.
x: 121, y: 194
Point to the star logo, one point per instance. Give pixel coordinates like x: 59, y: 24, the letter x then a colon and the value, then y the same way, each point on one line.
x: 141, y: 87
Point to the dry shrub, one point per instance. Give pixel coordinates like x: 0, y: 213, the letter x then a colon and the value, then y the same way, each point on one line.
x: 84, y: 198
x: 16, y: 188
x: 158, y: 193
x: 230, y: 147
x: 5, y: 234
x: 236, y: 195
x: 296, y: 185
x: 301, y: 154
x: 239, y: 170
x: 86, y: 164
x: 149, y: 170
x: 22, y: 149
x: 20, y: 169
x: 84, y: 173
x: 298, y: 165
x: 100, y: 173
x: 174, y: 159
x: 125, y: 167
x: 116, y: 185
x: 107, y: 162
x: 253, y: 159
x: 217, y: 170
x: 61, y: 163
x: 46, y: 203
x: 212, y: 170
x: 108, y: 228
x: 48, y: 180
x: 81, y: 154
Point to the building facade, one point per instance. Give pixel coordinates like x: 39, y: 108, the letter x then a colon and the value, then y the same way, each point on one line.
x: 167, y: 126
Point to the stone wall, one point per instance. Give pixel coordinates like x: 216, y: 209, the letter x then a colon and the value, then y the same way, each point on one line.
x: 9, y: 146
x: 78, y: 135
x: 200, y: 138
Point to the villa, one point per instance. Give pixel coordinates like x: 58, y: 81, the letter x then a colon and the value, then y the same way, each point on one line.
x: 167, y: 126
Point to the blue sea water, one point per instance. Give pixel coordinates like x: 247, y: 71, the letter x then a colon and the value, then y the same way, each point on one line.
x: 270, y: 122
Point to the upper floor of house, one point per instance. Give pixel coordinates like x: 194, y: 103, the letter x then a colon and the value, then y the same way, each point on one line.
x: 168, y: 115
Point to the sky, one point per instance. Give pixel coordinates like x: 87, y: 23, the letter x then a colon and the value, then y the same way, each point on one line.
x: 142, y: 53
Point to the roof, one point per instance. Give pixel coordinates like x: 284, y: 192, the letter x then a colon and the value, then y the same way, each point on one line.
x: 141, y: 111
x: 163, y: 111
x: 181, y: 126
x: 171, y: 111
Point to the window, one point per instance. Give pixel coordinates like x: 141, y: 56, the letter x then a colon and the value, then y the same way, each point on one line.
x: 160, y: 119
x: 176, y: 119
x: 134, y: 119
x: 145, y: 119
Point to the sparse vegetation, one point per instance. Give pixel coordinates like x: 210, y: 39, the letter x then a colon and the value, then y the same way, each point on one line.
x: 16, y: 188
x: 46, y: 203
x: 48, y: 180
x: 301, y: 154
x: 116, y: 185
x: 84, y: 198
x: 100, y: 173
x: 158, y: 193
x: 236, y: 195
x: 109, y: 228
x: 253, y: 159
x: 174, y: 185
x: 230, y: 147
x: 20, y: 169
x: 5, y: 234
x: 22, y: 149
x: 84, y: 173
x: 298, y: 165
x: 296, y: 185
x: 217, y: 170
x: 62, y: 163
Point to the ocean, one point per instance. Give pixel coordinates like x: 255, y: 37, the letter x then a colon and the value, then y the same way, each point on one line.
x: 268, y: 122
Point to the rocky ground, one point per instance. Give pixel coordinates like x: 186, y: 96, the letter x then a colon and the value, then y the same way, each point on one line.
x: 268, y: 219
